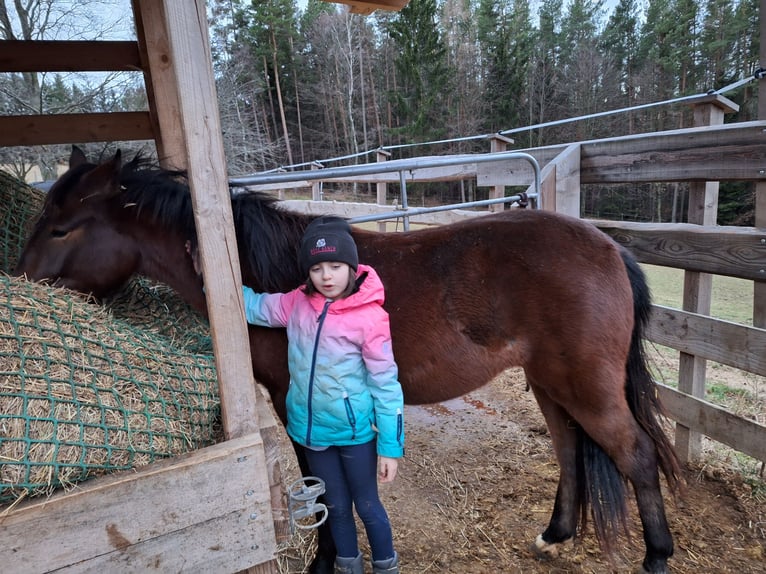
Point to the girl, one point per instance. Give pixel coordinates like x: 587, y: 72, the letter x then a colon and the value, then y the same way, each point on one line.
x: 345, y: 403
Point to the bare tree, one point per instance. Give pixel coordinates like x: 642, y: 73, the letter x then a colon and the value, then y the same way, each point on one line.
x: 31, y: 93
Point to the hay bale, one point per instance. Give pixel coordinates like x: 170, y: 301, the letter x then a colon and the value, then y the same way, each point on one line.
x: 19, y: 205
x: 158, y: 309
x: 83, y: 393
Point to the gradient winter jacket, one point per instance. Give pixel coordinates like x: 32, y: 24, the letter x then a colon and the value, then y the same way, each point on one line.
x: 344, y: 382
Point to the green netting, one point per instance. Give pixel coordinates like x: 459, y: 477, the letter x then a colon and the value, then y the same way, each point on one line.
x: 156, y: 308
x: 86, y: 389
x: 82, y: 393
x: 19, y: 205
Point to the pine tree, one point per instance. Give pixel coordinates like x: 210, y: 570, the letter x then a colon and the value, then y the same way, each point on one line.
x: 422, y: 72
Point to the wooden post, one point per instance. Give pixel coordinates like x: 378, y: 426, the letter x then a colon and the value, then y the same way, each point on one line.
x: 191, y: 62
x: 381, y: 187
x: 161, y: 88
x: 316, y: 185
x: 759, y: 288
x: 703, y: 210
x: 498, y: 143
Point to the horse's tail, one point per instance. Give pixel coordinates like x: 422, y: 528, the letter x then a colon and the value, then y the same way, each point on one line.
x: 602, y: 487
x: 640, y: 388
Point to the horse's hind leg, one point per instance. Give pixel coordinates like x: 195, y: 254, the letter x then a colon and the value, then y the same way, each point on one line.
x: 651, y: 507
x: 634, y: 453
x: 565, y: 515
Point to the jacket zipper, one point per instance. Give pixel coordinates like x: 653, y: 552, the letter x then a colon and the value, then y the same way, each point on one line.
x: 310, y: 409
x: 350, y: 414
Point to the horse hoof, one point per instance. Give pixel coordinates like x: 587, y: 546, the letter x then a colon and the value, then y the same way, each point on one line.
x: 643, y: 570
x: 544, y: 550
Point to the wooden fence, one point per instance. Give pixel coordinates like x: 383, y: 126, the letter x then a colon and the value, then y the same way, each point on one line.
x: 700, y: 155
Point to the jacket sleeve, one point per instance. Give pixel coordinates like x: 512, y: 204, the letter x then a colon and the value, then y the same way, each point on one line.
x: 267, y: 309
x: 383, y: 382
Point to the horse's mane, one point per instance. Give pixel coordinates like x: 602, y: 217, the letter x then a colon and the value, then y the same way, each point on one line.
x: 272, y: 234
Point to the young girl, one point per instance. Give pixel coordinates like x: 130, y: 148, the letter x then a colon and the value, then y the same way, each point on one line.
x: 344, y: 403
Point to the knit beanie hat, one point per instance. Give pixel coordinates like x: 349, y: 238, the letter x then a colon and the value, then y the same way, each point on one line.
x: 328, y: 238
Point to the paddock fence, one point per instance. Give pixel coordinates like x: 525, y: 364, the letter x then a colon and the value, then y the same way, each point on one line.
x: 553, y: 178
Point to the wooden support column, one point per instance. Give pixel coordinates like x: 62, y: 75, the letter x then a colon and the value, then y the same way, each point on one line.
x: 159, y: 79
x: 703, y: 210
x: 759, y: 287
x: 498, y: 143
x: 191, y: 64
x: 381, y: 187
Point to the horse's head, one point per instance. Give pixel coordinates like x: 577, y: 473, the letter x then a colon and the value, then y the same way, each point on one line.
x: 76, y: 242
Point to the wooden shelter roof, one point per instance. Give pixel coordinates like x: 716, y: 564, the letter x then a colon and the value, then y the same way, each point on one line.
x: 366, y: 8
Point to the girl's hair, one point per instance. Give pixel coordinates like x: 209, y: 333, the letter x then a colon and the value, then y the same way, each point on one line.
x: 350, y: 288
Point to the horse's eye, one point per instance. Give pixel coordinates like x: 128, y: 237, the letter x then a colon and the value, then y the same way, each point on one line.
x: 59, y: 233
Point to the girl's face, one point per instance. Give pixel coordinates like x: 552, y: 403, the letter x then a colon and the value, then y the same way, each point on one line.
x: 330, y: 278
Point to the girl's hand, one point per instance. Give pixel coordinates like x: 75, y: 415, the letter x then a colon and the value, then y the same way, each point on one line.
x: 387, y: 468
x: 193, y: 252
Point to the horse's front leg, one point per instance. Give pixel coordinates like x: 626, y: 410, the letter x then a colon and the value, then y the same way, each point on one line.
x: 564, y: 518
x: 324, y: 561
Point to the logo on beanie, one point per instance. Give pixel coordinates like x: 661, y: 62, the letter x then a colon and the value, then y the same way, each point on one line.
x: 322, y: 247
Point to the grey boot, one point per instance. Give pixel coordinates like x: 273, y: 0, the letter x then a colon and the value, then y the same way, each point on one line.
x: 388, y: 566
x: 349, y: 565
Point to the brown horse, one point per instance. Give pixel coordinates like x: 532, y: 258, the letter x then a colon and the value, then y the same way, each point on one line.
x: 524, y: 288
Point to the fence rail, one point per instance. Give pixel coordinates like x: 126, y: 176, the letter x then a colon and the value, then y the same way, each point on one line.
x: 698, y: 249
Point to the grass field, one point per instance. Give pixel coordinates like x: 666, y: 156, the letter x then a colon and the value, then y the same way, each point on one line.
x: 732, y: 298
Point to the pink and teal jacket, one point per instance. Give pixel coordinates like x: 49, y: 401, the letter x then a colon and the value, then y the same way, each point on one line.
x: 344, y: 384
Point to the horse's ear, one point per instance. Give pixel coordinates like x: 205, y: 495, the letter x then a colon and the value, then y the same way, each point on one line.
x: 104, y: 180
x: 77, y: 157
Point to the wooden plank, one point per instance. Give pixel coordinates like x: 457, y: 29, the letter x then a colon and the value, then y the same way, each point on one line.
x: 208, y: 511
x: 726, y: 152
x: 74, y: 128
x: 732, y: 251
x: 547, y: 187
x: 190, y: 54
x: 712, y: 153
x: 715, y: 422
x: 568, y: 181
x: 721, y: 341
x: 366, y: 8
x: 69, y: 56
x: 159, y: 79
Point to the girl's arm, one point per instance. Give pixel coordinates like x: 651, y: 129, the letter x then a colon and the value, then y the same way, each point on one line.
x: 267, y: 309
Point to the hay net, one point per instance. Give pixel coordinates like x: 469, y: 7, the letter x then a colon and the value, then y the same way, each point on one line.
x: 86, y: 389
x: 19, y: 205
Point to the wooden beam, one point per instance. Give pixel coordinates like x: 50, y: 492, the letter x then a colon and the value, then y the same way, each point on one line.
x: 730, y: 152
x: 717, y: 340
x: 74, y: 128
x: 192, y: 66
x: 366, y: 8
x: 733, y: 251
x: 719, y: 424
x: 209, y: 509
x: 159, y: 79
x: 69, y: 56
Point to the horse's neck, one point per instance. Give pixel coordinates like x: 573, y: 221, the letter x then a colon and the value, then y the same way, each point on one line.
x: 164, y: 259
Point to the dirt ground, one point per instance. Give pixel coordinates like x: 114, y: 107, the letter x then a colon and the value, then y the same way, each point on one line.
x: 477, y: 486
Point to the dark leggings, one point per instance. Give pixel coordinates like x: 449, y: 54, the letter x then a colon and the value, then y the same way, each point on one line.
x: 350, y: 475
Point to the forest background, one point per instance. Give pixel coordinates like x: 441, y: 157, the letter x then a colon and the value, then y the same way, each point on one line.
x: 312, y: 82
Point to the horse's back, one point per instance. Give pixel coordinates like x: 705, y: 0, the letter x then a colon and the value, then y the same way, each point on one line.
x: 517, y: 288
